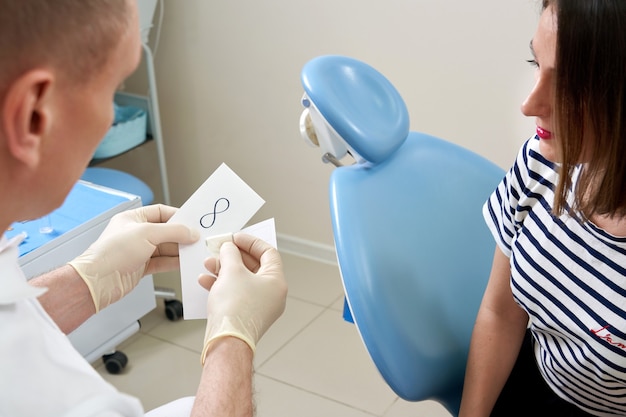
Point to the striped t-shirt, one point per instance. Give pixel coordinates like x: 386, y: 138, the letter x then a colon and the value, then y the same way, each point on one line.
x: 570, y: 278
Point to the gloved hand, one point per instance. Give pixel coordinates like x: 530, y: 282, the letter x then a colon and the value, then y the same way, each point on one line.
x: 134, y: 243
x: 249, y: 293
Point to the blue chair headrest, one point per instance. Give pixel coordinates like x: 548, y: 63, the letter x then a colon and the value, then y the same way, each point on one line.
x: 359, y: 103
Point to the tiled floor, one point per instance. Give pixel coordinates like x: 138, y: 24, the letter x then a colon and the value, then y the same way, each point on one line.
x: 310, y: 363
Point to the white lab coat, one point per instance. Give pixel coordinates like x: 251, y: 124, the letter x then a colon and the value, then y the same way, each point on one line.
x: 41, y: 374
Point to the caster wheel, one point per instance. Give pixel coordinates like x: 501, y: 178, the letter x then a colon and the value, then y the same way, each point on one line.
x: 173, y: 310
x: 115, y: 362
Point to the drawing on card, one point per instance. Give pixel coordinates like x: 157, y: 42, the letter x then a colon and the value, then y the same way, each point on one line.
x: 208, y: 220
x: 223, y: 204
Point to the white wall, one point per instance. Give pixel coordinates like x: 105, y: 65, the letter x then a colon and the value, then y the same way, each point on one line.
x: 229, y: 86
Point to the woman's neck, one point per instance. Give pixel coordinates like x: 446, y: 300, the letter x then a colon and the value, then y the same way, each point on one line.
x: 615, y: 225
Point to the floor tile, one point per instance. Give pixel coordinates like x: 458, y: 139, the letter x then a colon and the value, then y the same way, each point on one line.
x: 277, y: 399
x: 403, y: 408
x: 310, y: 363
x: 157, y: 372
x: 338, y: 304
x: 188, y: 334
x: 328, y: 359
x: 153, y: 318
x: 298, y: 314
x: 312, y: 281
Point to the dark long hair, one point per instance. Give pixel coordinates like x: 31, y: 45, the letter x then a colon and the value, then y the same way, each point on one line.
x: 590, y: 104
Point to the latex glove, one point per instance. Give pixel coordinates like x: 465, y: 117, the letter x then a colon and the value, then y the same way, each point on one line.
x: 249, y: 293
x: 135, y: 243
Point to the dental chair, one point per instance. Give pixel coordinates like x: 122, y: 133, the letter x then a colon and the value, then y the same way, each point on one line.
x: 412, y: 247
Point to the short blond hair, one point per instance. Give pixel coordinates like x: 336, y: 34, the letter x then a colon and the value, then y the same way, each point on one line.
x: 73, y: 36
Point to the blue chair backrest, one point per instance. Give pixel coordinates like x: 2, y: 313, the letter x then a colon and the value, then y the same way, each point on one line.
x: 412, y: 246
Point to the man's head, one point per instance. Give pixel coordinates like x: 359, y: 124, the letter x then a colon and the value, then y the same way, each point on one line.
x: 75, y: 36
x: 61, y: 62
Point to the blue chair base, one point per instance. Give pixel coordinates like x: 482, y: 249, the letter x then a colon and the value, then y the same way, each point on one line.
x: 347, y: 314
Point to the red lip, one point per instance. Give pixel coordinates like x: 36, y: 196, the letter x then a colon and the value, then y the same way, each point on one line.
x: 543, y: 133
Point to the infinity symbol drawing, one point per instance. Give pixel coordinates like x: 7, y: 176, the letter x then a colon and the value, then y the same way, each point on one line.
x: 216, y: 210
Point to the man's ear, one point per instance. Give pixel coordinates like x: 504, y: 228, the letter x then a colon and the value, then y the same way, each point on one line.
x: 26, y: 115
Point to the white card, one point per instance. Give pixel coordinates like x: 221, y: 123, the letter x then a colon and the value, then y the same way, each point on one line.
x: 223, y: 204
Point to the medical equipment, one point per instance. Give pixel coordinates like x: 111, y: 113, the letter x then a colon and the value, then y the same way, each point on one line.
x: 412, y: 247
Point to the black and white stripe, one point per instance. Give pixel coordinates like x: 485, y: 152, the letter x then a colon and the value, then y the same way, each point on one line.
x: 571, y: 279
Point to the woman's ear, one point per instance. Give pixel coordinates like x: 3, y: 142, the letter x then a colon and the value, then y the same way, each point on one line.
x: 26, y: 115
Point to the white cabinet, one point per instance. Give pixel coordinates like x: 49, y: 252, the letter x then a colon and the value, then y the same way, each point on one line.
x: 104, y: 331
